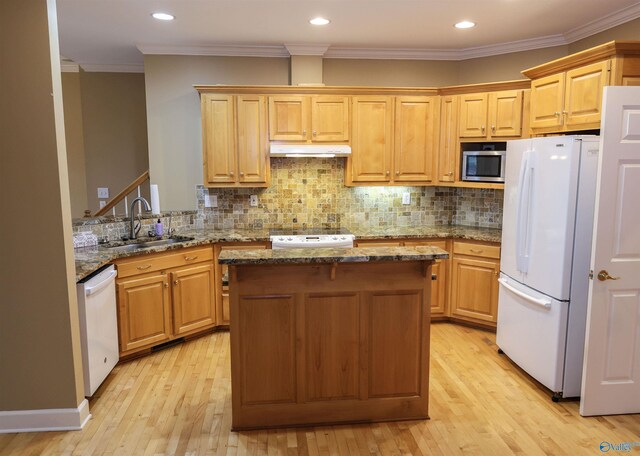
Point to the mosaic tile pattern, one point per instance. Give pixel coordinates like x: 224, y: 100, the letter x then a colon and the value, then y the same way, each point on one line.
x: 311, y: 193
x: 115, y: 229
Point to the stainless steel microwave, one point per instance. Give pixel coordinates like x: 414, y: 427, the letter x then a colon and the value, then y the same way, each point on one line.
x: 483, y: 165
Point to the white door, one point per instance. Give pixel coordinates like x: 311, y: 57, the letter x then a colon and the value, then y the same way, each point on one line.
x: 611, y: 375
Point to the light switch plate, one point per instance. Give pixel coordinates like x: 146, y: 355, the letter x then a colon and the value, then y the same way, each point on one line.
x: 102, y: 204
x: 253, y: 200
x: 210, y: 200
x: 406, y: 198
x: 103, y: 192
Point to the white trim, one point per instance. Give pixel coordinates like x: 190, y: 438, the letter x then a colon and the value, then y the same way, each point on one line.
x: 391, y: 53
x: 68, y: 67
x: 112, y: 68
x: 512, y: 46
x: 45, y: 420
x: 605, y: 23
x: 306, y: 49
x: 237, y: 50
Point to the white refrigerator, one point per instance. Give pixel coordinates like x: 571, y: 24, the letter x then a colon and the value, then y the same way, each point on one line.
x: 544, y: 266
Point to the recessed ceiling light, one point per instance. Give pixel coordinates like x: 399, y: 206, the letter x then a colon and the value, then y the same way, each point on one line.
x: 163, y: 16
x: 465, y: 24
x: 319, y: 21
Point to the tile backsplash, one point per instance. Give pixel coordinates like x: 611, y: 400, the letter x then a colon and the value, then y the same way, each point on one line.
x: 310, y: 192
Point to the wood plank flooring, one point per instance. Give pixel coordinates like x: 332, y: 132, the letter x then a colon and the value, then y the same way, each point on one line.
x: 178, y: 402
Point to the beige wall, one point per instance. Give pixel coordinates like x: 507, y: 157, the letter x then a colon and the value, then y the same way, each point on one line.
x: 627, y: 31
x: 505, y: 67
x: 114, y: 120
x: 174, y: 122
x: 398, y: 73
x: 40, y: 365
x: 75, y: 143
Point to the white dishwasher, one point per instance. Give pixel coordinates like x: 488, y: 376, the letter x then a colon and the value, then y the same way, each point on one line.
x: 98, y: 326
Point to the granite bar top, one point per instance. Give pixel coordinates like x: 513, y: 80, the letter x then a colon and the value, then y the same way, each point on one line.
x: 89, y: 259
x: 328, y: 255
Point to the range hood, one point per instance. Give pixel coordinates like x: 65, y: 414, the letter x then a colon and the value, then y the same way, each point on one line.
x: 309, y: 150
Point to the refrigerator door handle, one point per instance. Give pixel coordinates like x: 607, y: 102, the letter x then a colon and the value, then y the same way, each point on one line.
x: 546, y: 303
x: 522, y: 214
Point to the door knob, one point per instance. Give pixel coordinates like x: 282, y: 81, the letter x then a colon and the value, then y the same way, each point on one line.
x: 604, y: 275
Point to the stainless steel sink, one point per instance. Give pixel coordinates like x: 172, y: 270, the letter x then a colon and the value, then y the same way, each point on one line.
x: 147, y: 244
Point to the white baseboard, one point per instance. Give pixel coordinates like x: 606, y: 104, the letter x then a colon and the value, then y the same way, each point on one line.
x: 71, y: 419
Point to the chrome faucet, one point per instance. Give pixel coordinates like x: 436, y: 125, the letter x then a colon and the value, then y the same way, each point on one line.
x: 133, y: 232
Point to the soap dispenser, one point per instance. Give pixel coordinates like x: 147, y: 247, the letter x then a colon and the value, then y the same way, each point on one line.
x: 159, y: 228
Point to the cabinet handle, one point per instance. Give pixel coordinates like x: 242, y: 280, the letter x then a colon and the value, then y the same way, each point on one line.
x: 397, y: 173
x: 565, y: 112
x: 493, y: 128
x: 231, y: 173
x: 144, y: 267
x: 304, y: 132
x: 387, y: 173
x: 188, y: 258
x: 241, y: 173
x: 175, y: 282
x: 315, y: 133
x: 476, y: 250
x: 166, y: 284
x: 557, y: 114
x: 482, y: 129
x: 450, y: 173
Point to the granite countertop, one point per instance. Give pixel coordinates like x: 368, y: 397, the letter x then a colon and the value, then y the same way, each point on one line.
x: 89, y: 259
x: 328, y: 255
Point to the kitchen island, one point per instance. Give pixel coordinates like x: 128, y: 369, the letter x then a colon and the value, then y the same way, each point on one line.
x: 323, y: 336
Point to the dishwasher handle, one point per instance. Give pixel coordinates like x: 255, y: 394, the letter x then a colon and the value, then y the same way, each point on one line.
x: 88, y: 291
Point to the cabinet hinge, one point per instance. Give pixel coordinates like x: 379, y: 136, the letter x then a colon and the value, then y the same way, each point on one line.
x: 591, y: 274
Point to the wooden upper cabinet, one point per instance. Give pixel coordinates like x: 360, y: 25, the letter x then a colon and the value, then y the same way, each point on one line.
x: 329, y: 118
x: 505, y: 114
x: 321, y: 118
x: 415, y: 139
x: 583, y: 93
x: 449, y: 149
x: 372, y: 140
x: 491, y: 115
x: 218, y: 136
x: 235, y: 146
x: 288, y: 117
x: 473, y: 115
x: 547, y: 101
x: 252, y: 139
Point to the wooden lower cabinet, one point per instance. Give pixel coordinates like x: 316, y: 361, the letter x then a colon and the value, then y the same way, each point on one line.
x: 474, y: 283
x: 176, y: 299
x: 144, y: 316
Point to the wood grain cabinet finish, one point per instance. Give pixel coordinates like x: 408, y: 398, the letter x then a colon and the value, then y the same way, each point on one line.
x: 491, y: 115
x: 305, y: 118
x: 474, y: 282
x: 394, y: 140
x: 171, y: 295
x: 235, y: 146
x: 449, y: 148
x: 322, y: 349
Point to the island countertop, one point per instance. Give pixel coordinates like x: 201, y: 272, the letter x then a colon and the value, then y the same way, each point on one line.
x: 331, y: 255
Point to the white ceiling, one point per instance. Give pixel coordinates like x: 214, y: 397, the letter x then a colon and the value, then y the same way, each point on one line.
x: 112, y: 35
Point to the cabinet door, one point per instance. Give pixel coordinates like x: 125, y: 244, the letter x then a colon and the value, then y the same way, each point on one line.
x: 372, y: 139
x: 439, y: 275
x: 253, y: 163
x: 143, y: 312
x: 547, y: 101
x: 505, y: 113
x: 193, y: 303
x: 329, y: 118
x: 415, y: 139
x: 583, y: 99
x: 218, y: 133
x: 473, y: 115
x: 288, y: 118
x: 449, y: 145
x: 474, y: 292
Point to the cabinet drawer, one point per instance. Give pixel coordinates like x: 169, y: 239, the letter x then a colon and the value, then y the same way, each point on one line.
x: 152, y: 263
x: 479, y: 250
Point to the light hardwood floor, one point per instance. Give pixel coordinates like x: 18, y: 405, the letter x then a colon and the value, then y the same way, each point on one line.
x: 178, y: 401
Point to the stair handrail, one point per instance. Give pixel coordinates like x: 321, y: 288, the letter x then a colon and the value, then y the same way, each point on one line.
x: 120, y: 196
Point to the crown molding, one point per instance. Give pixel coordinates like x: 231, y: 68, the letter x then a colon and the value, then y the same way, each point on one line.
x: 307, y: 49
x: 68, y: 67
x: 605, y: 23
x: 390, y: 53
x: 512, y: 46
x: 233, y: 50
x: 115, y: 68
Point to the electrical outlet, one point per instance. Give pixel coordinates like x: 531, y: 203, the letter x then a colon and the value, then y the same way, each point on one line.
x: 103, y: 192
x: 102, y: 204
x: 210, y: 200
x: 406, y: 198
x: 253, y: 200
